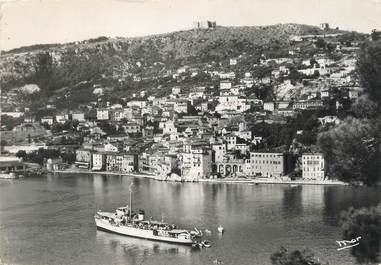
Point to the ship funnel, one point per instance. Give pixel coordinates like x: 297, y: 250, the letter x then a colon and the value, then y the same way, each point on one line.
x: 141, y: 215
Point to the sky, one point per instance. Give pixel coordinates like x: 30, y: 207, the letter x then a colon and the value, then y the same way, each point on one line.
x: 27, y: 22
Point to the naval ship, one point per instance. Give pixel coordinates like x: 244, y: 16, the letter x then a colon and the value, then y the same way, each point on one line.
x: 126, y: 222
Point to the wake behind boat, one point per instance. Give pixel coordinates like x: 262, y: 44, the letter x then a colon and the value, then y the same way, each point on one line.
x: 126, y: 222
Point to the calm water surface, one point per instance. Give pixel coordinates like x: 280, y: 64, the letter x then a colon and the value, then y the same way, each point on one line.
x: 49, y: 220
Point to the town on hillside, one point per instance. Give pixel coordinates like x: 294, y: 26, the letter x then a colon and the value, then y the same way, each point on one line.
x: 242, y: 117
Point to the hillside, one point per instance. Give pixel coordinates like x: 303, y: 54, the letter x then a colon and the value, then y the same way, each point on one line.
x: 103, y: 60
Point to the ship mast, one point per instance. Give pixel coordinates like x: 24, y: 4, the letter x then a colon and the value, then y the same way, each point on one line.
x: 130, y: 188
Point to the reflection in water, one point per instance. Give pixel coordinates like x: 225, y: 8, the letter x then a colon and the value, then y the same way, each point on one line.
x: 338, y: 199
x: 137, y: 250
x: 131, y: 244
x: 292, y: 202
x: 50, y: 220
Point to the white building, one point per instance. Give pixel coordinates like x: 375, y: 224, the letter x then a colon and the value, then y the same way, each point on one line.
x: 269, y: 106
x: 62, y: 118
x: 225, y: 85
x: 324, y: 93
x: 47, y: 120
x: 103, y: 114
x: 245, y: 134
x: 231, y: 141
x: 230, y: 75
x: 137, y: 103
x: 232, y: 103
x: 233, y: 61
x: 98, y: 161
x: 181, y: 106
x: 196, y: 162
x: 169, y: 127
x: 267, y: 164
x: 353, y: 93
x: 110, y: 147
x: 219, y: 151
x: 79, y: 116
x: 248, y: 81
x: 313, y: 166
x: 176, y: 90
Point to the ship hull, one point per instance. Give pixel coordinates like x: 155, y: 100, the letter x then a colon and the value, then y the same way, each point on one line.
x: 138, y: 233
x: 8, y: 176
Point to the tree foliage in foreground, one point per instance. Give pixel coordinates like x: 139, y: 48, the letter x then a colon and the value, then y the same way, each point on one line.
x: 297, y: 257
x: 352, y: 151
x: 364, y: 223
x: 369, y: 68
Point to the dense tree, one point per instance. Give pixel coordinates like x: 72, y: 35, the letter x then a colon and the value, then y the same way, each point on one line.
x: 40, y: 155
x: 364, y: 108
x: 352, y: 151
x: 107, y: 127
x: 304, y: 257
x: 364, y: 223
x: 10, y: 122
x: 21, y: 154
x: 369, y: 68
x: 67, y: 125
x: 68, y: 158
x: 320, y: 43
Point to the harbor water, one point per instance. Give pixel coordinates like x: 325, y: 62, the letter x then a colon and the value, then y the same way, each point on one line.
x: 50, y: 220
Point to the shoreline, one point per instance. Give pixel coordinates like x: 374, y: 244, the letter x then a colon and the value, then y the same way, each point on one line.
x: 226, y: 180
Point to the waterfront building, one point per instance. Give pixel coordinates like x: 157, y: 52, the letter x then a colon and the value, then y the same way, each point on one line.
x: 267, y: 164
x: 196, y: 162
x: 83, y: 158
x: 231, y: 166
x: 218, y: 152
x: 11, y: 164
x: 98, y: 161
x: 313, y: 166
x: 129, y: 163
x: 114, y: 162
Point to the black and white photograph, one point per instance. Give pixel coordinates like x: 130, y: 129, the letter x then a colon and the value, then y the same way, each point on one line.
x: 203, y: 132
